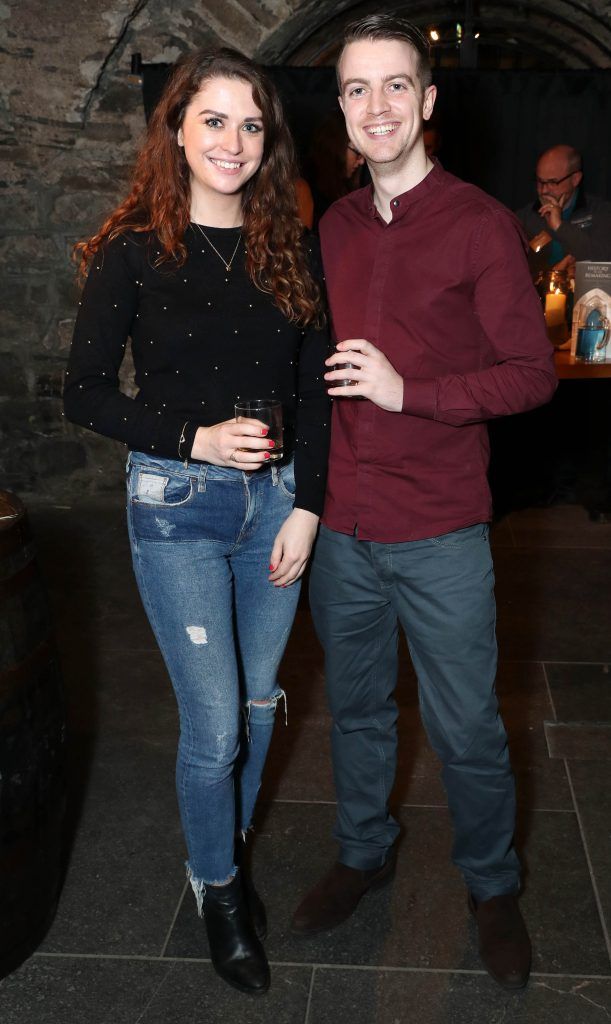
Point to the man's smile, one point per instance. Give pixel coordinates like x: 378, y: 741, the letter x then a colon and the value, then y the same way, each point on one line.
x: 381, y: 129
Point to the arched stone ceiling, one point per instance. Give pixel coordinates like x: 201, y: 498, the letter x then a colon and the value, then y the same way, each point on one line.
x: 563, y: 33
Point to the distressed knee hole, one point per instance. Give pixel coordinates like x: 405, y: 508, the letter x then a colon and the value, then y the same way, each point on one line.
x: 197, y: 635
x: 269, y: 703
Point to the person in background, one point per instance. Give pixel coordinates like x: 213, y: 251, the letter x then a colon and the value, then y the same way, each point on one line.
x: 565, y: 223
x: 432, y: 141
x: 334, y: 164
x: 205, y: 266
x: 433, y: 308
x: 305, y: 203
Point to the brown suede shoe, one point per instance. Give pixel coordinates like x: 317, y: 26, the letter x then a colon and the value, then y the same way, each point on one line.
x: 337, y: 895
x: 504, y: 945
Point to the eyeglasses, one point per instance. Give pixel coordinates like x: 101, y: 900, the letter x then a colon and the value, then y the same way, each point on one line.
x: 554, y: 181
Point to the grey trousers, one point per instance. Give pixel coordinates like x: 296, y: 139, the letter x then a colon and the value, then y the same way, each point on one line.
x: 441, y: 590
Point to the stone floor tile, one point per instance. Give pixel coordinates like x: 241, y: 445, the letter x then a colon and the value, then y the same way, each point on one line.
x: 581, y: 693
x: 84, y: 559
x: 120, y: 691
x: 193, y: 993
x: 57, y: 990
x: 421, y: 919
x: 125, y: 872
x: 385, y: 997
x: 98, y: 620
x: 581, y: 741
x: 590, y: 782
x: 553, y: 605
x: 558, y: 903
x: 299, y: 761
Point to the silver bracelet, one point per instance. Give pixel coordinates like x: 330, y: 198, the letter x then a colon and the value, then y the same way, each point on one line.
x: 181, y: 441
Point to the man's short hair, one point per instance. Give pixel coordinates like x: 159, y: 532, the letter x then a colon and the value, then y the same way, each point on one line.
x: 390, y: 26
x: 571, y: 155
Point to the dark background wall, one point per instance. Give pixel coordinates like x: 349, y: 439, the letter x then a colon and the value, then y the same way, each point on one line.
x: 71, y: 116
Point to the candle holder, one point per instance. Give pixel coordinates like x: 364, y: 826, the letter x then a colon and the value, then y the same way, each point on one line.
x: 555, y: 289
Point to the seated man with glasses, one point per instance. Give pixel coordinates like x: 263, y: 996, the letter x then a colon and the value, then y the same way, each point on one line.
x: 565, y: 225
x: 564, y: 222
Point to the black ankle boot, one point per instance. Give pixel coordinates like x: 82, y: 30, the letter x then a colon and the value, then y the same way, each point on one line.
x: 236, y: 952
x: 253, y: 900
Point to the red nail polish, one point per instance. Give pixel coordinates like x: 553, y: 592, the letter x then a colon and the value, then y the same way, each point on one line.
x: 272, y: 444
x: 272, y: 567
x: 265, y: 432
x: 266, y: 455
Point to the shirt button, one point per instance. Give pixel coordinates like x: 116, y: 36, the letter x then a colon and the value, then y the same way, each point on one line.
x: 395, y: 202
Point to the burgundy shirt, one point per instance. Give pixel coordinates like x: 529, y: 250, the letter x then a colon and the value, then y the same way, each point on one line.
x: 445, y: 292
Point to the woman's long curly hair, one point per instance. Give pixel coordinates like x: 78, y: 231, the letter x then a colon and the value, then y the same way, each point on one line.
x: 159, y: 199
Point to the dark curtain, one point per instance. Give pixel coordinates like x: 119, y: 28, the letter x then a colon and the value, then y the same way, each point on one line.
x: 493, y: 123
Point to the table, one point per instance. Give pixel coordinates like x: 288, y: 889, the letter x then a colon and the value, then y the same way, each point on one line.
x: 528, y: 466
x: 569, y: 368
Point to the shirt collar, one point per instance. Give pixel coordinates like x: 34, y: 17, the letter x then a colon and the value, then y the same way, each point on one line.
x: 401, y: 203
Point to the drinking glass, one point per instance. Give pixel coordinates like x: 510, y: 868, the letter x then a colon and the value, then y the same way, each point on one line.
x: 269, y: 412
x: 341, y: 366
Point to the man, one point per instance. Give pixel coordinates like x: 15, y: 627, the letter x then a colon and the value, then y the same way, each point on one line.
x: 432, y: 304
x: 564, y: 220
x: 563, y: 226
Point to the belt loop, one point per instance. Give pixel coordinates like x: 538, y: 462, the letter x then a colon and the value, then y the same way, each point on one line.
x: 201, y: 482
x: 275, y: 472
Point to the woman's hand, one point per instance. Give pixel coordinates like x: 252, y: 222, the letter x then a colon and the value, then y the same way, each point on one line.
x: 292, y: 547
x: 224, y: 444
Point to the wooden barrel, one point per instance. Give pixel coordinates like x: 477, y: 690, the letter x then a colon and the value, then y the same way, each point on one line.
x: 32, y: 740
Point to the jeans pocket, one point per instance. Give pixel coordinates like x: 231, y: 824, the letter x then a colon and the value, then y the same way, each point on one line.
x: 286, y: 480
x: 158, y: 489
x: 458, y: 538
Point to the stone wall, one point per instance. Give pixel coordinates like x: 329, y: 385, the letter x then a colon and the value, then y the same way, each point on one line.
x: 70, y: 120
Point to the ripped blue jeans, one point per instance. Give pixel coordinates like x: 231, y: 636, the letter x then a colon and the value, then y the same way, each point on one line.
x: 201, y: 539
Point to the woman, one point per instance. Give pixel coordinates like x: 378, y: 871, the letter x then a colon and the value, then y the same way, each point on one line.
x: 204, y: 267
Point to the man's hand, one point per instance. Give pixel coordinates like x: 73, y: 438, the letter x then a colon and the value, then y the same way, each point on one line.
x: 567, y: 263
x: 551, y: 209
x: 376, y: 378
x: 292, y: 547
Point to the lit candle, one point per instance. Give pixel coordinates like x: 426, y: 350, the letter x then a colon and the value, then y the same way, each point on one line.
x: 555, y: 309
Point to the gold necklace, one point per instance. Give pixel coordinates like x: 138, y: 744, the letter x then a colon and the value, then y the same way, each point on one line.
x: 214, y: 248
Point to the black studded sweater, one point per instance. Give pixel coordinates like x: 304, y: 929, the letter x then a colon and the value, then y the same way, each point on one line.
x: 202, y: 338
